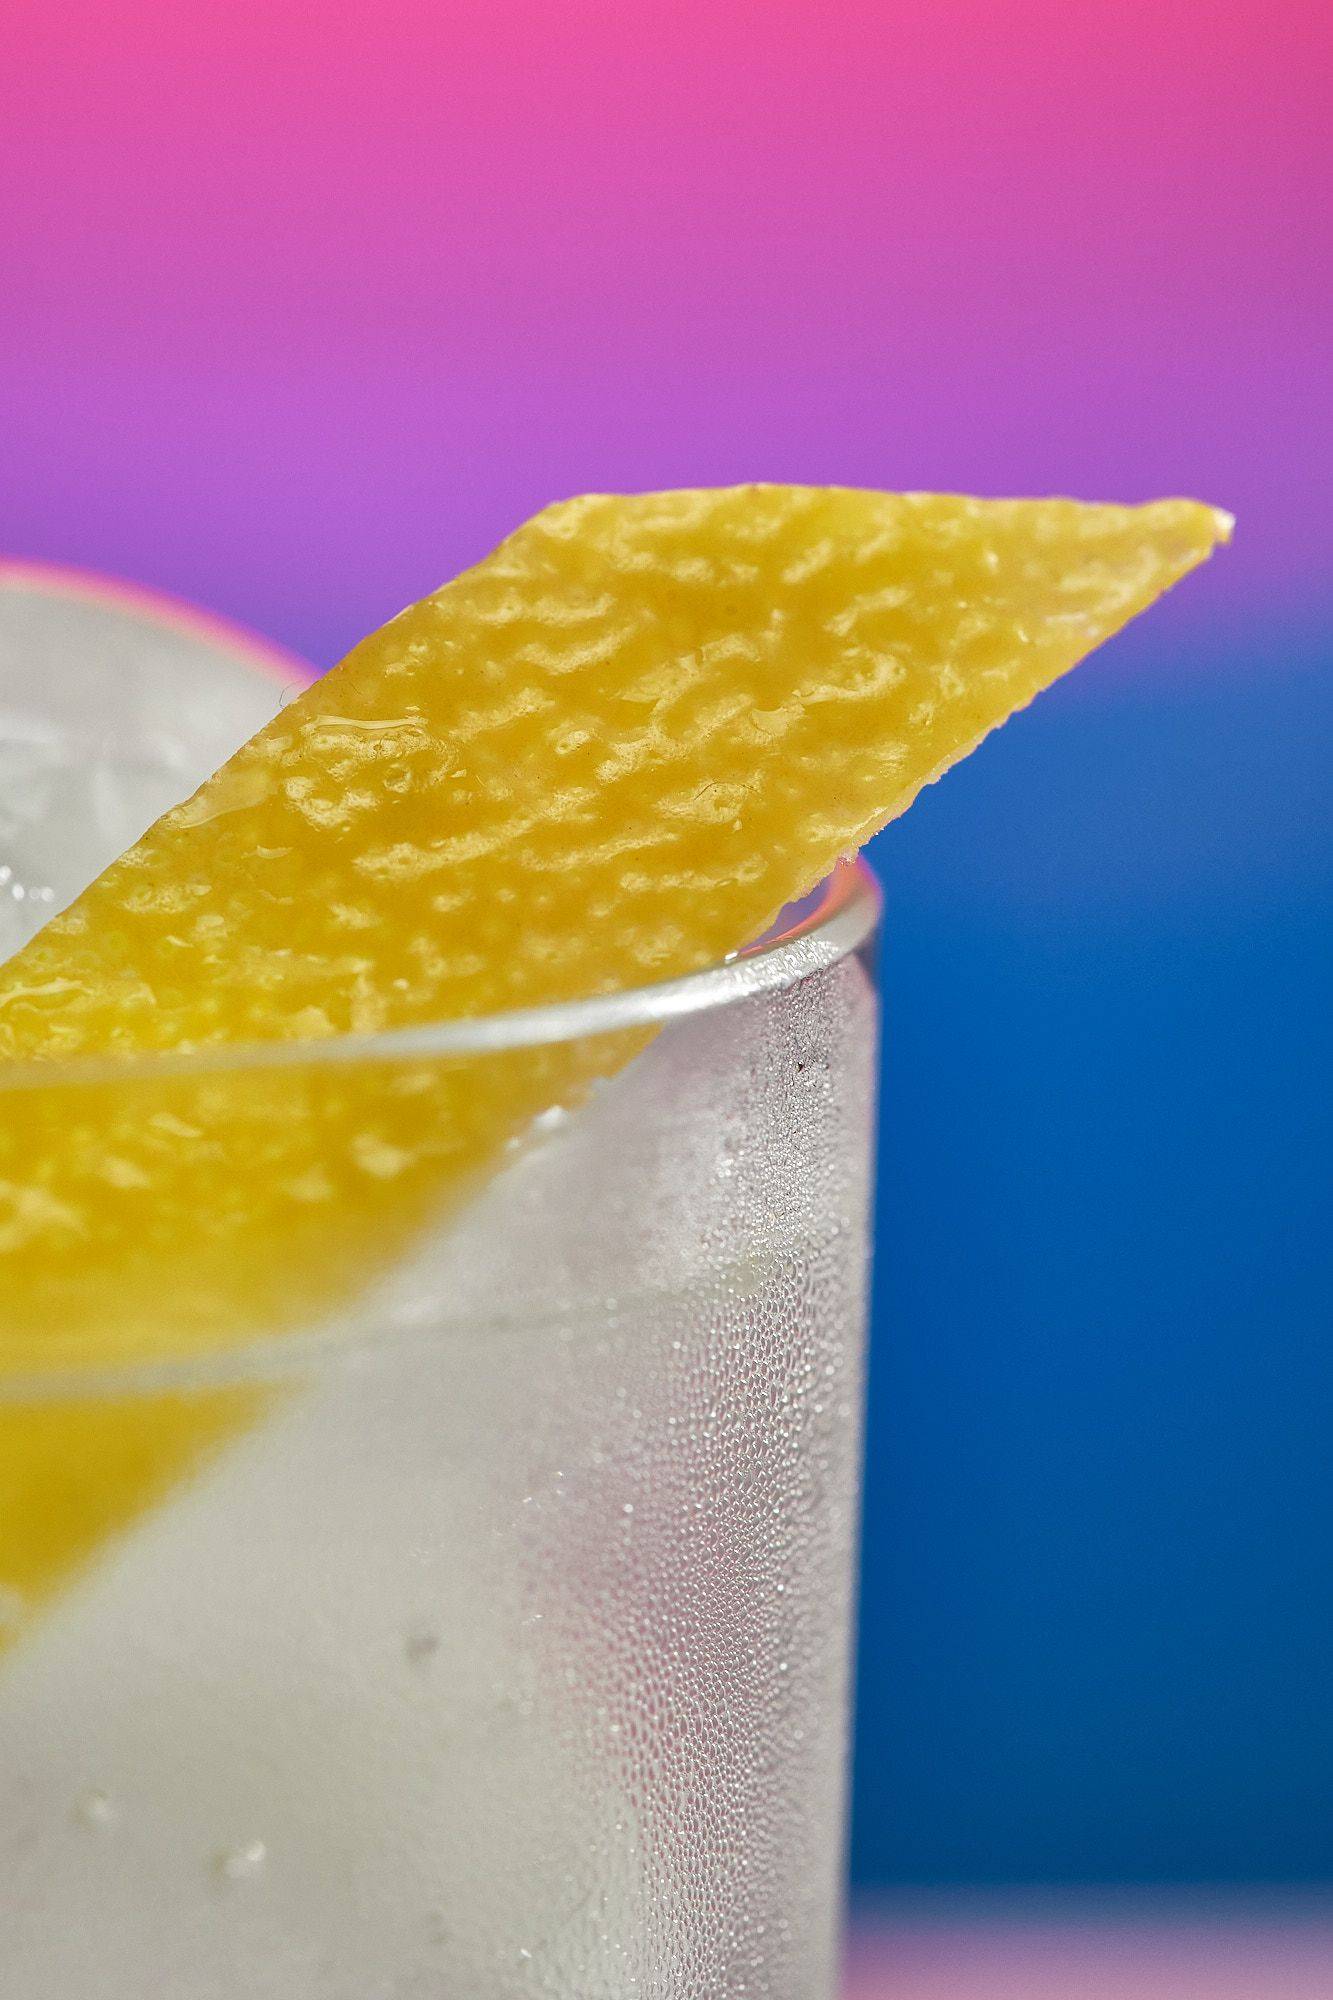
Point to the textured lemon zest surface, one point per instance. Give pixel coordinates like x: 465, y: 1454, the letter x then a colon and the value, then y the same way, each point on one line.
x: 606, y: 755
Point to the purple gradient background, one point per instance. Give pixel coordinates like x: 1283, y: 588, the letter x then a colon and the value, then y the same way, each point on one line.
x: 302, y: 312
x: 304, y: 308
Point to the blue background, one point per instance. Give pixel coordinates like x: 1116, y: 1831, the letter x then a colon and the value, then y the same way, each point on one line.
x: 1097, y: 1607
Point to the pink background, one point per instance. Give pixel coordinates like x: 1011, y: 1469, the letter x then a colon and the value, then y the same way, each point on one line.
x: 349, y: 289
x: 956, y: 1953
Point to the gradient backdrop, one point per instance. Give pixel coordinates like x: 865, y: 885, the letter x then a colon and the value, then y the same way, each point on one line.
x: 298, y: 314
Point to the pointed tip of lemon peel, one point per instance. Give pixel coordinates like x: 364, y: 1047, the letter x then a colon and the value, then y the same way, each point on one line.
x: 1221, y: 520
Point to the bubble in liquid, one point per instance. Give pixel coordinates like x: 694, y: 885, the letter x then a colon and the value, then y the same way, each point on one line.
x: 547, y: 1123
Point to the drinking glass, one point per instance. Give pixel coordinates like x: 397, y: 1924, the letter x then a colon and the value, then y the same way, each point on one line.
x: 482, y: 1632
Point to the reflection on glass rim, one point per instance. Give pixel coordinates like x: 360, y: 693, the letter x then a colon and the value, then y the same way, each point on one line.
x: 829, y: 925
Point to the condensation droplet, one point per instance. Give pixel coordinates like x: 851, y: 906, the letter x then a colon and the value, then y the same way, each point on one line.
x: 96, y: 1811
x: 421, y: 1644
x: 242, y: 1864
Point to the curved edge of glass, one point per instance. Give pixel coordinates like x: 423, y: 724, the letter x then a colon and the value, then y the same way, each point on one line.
x: 831, y: 924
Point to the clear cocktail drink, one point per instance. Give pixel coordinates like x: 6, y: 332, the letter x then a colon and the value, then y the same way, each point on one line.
x: 490, y: 1635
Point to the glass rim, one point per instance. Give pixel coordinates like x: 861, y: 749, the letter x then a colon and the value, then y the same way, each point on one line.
x: 832, y: 923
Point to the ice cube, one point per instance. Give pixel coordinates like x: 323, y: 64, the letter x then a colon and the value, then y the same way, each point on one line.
x: 115, y: 704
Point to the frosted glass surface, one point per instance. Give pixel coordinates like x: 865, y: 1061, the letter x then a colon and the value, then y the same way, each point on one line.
x: 508, y: 1655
